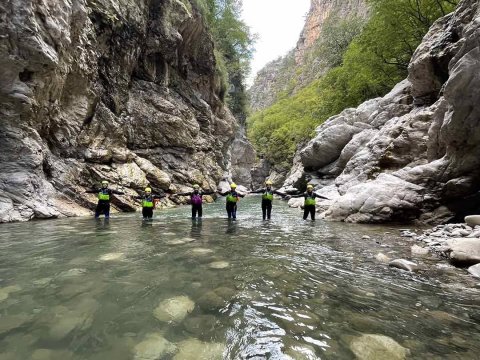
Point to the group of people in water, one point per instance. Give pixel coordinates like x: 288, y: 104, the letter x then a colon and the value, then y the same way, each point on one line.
x: 149, y: 200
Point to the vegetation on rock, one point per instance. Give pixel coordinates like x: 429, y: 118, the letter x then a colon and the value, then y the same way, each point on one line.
x: 367, y: 64
x: 234, y: 43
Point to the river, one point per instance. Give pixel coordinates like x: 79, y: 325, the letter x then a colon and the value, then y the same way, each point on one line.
x: 175, y: 289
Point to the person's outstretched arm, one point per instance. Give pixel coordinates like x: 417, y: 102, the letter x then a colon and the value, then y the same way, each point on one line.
x: 321, y: 197
x: 208, y: 192
x: 92, y: 191
x: 223, y: 194
x: 183, y: 194
x: 116, y: 192
x: 258, y: 191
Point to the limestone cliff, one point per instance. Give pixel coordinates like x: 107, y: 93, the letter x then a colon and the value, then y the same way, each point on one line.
x: 106, y: 89
x: 414, y: 154
x: 297, y: 69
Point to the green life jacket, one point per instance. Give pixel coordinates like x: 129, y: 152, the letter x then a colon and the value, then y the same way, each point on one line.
x: 232, y: 197
x: 104, y: 195
x: 310, y: 200
x: 267, y: 195
x: 147, y: 202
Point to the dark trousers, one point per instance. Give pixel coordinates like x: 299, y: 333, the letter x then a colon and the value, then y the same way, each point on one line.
x: 103, y: 208
x: 196, y: 209
x: 266, y: 209
x: 231, y: 210
x: 309, y: 209
x: 147, y: 212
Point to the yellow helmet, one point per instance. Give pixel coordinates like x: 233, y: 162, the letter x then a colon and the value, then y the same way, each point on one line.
x: 310, y: 186
x: 196, y: 186
x: 104, y: 182
x: 148, y: 190
x: 268, y: 182
x: 233, y: 185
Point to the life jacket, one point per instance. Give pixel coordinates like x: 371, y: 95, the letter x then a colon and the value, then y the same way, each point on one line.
x: 104, y: 195
x: 148, y: 202
x: 267, y: 195
x: 196, y: 199
x: 232, y: 197
x: 310, y: 199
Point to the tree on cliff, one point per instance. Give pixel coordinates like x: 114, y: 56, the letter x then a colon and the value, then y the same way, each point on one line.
x: 234, y: 42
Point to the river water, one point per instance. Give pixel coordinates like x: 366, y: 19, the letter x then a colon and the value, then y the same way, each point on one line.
x: 176, y: 289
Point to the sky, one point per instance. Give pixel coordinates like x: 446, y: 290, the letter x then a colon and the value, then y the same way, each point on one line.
x: 278, y: 24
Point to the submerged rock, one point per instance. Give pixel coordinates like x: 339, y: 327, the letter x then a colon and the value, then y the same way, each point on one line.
x: 199, y: 325
x: 174, y: 309
x: 377, y: 347
x: 11, y: 322
x: 201, y: 251
x: 112, y: 257
x: 48, y: 354
x: 219, y: 265
x: 193, y: 349
x: 404, y: 265
x: 382, y: 258
x: 153, y: 347
x: 6, y: 291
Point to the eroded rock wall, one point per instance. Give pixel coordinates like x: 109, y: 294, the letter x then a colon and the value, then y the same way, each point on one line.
x: 106, y: 89
x: 414, y: 154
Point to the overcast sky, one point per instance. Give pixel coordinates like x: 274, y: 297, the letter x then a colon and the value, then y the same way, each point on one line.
x: 278, y: 24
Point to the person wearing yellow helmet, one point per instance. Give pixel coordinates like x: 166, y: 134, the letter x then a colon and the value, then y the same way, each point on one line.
x: 104, y: 197
x: 232, y: 199
x: 267, y: 198
x: 309, y: 205
x: 149, y: 201
x: 196, y: 200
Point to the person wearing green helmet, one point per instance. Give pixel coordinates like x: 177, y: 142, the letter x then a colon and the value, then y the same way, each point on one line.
x: 232, y: 199
x: 267, y: 198
x: 148, y: 203
x: 309, y: 206
x: 196, y: 200
x: 104, y: 197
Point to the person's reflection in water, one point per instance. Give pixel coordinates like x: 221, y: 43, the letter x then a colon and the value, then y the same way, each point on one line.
x: 196, y: 230
x: 231, y: 228
x: 102, y: 224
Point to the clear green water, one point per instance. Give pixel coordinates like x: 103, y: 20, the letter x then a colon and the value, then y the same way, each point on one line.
x: 290, y: 287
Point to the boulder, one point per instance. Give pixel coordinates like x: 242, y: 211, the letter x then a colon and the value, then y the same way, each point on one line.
x: 463, y: 251
x: 174, y: 309
x: 193, y: 349
x: 404, y: 265
x: 475, y: 270
x: 153, y: 347
x: 382, y: 258
x: 377, y: 347
x: 472, y: 220
x: 417, y: 250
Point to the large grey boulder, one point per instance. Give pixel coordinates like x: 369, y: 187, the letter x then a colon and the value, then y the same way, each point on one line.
x: 463, y: 251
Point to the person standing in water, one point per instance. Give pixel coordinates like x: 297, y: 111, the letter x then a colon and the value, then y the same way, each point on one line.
x: 104, y: 197
x: 310, y: 202
x: 148, y: 203
x: 267, y: 198
x: 196, y: 200
x: 232, y: 198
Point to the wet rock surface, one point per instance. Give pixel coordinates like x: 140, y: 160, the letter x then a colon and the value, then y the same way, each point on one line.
x: 120, y: 90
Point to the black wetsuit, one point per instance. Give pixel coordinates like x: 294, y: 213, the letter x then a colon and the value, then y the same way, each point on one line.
x: 196, y: 200
x: 103, y: 205
x: 148, y: 204
x: 267, y: 197
x: 231, y: 204
x: 309, y: 204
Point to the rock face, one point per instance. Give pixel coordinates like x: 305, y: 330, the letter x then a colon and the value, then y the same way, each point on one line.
x: 415, y: 153
x: 108, y: 89
x: 276, y: 76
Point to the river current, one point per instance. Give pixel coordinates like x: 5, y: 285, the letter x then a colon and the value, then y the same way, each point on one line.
x: 175, y: 288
